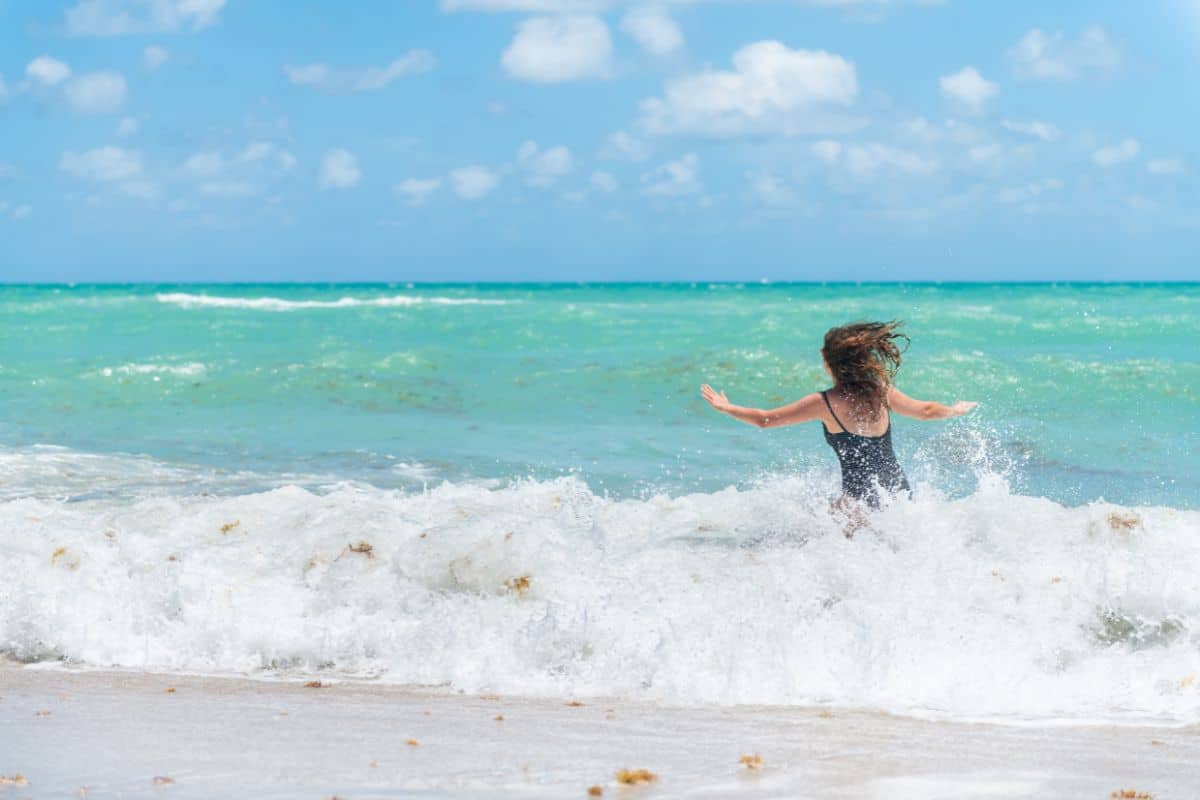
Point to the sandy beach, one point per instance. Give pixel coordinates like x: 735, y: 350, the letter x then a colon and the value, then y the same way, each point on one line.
x: 119, y: 734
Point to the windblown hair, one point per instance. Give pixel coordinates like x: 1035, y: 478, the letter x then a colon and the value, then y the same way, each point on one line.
x: 864, y: 357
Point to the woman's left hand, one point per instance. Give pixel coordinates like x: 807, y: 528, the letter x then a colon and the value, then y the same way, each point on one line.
x: 716, y: 399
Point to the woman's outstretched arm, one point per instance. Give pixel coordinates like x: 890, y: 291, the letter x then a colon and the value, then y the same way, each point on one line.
x: 901, y: 403
x: 805, y: 409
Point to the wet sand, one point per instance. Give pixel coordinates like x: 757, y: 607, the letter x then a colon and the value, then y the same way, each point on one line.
x: 126, y: 734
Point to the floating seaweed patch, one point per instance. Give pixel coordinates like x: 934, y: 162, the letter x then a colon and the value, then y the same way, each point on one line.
x: 1123, y: 522
x: 634, y: 777
x: 229, y: 526
x: 753, y: 761
x: 518, y: 586
x: 363, y: 548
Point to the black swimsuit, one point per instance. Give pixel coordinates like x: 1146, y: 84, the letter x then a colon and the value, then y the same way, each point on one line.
x: 868, y: 462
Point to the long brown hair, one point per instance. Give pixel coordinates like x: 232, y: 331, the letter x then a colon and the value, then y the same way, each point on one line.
x: 864, y: 357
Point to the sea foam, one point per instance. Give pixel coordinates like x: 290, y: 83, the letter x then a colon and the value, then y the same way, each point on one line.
x: 187, y: 300
x: 995, y: 605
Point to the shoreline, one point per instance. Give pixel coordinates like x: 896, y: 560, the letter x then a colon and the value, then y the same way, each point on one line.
x: 115, y: 732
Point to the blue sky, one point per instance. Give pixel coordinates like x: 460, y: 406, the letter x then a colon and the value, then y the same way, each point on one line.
x: 599, y: 140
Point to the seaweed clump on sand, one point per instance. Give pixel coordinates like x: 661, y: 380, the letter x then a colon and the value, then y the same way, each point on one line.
x: 1131, y: 794
x: 753, y: 761
x: 635, y: 777
x: 13, y: 780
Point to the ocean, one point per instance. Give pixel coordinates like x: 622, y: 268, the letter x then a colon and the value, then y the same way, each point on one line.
x: 517, y: 488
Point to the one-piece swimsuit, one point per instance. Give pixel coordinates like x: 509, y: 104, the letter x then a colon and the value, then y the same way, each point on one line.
x: 868, y: 462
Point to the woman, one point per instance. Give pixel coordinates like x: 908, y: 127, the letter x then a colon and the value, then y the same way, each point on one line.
x: 862, y: 358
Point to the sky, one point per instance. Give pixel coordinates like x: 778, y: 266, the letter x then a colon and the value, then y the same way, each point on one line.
x: 594, y: 140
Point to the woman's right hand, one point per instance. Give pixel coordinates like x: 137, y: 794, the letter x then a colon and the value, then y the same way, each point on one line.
x: 962, y: 407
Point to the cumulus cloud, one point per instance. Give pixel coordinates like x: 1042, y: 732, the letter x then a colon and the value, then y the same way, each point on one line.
x: 1126, y: 150
x: 535, y: 6
x: 1028, y: 192
x: 675, y: 178
x: 604, y: 181
x: 770, y: 189
x: 366, y: 79
x: 128, y: 126
x: 543, y: 167
x: 416, y: 191
x: 473, y: 182
x: 96, y: 92
x: 22, y: 211
x: 47, y: 71
x: 557, y: 49
x: 102, y: 164
x: 1040, y: 130
x: 867, y: 161
x: 771, y: 89
x: 653, y: 29
x: 1166, y: 166
x: 339, y: 170
x: 621, y: 145
x: 968, y: 88
x: 204, y: 164
x: 154, y: 57
x: 1053, y: 56
x: 119, y: 17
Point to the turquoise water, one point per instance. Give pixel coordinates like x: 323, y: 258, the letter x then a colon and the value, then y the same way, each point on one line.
x: 517, y: 489
x: 1086, y: 391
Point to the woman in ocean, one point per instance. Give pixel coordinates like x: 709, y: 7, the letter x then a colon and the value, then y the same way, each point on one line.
x: 862, y: 358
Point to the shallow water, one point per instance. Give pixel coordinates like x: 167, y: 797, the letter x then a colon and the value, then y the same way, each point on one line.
x: 517, y: 488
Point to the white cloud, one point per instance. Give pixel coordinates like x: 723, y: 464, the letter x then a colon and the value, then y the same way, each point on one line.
x: 866, y: 161
x: 556, y: 49
x: 674, y: 178
x: 47, y: 71
x: 544, y: 167
x: 102, y: 164
x: 1041, y: 130
x: 339, y: 170
x: 22, y: 211
x: 230, y: 188
x: 1117, y: 154
x: 604, y: 181
x: 968, y: 88
x: 653, y: 29
x: 416, y: 191
x: 154, y: 57
x: 534, y: 6
x: 3, y: 89
x: 1052, y: 56
x: 827, y: 150
x: 286, y: 160
x: 621, y: 145
x: 474, y: 182
x: 1028, y: 192
x: 127, y: 127
x: 256, y: 151
x: 96, y: 92
x: 1166, y: 166
x: 772, y: 89
x: 770, y: 189
x: 119, y: 17
x: 366, y: 79
x: 204, y: 164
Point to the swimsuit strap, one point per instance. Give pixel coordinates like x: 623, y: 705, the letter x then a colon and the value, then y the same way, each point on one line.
x: 825, y: 395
